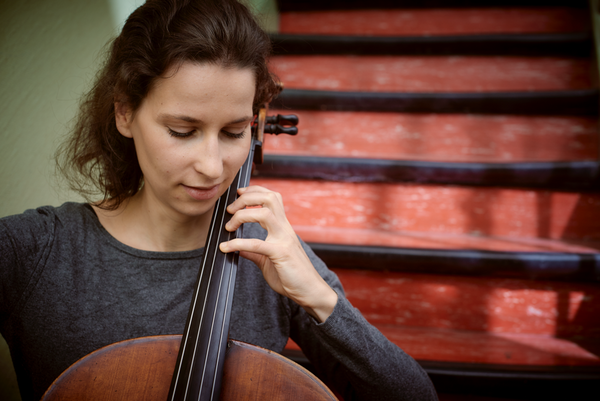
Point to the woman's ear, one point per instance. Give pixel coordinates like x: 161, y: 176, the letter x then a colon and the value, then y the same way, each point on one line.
x: 123, y: 119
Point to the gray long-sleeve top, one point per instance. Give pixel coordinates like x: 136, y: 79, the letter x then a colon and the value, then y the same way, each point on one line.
x: 67, y: 288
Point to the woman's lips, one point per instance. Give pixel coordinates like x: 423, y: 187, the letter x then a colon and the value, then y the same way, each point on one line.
x: 202, y: 193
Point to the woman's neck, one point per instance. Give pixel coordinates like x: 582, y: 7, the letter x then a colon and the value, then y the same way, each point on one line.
x: 140, y: 224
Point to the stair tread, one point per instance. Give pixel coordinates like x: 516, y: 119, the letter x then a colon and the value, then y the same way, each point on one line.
x: 565, y: 176
x: 439, y: 21
x: 426, y: 344
x: 439, y: 137
x: 475, y: 304
x: 544, y: 103
x: 432, y: 73
x: 426, y: 240
x: 438, y: 209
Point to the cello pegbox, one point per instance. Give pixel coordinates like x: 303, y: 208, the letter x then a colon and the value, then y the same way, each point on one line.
x: 290, y: 119
x: 280, y: 124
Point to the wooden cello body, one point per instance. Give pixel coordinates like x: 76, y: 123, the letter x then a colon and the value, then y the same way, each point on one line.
x: 141, y: 370
x: 202, y: 364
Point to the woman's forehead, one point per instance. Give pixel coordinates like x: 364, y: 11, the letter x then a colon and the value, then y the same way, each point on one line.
x: 194, y: 88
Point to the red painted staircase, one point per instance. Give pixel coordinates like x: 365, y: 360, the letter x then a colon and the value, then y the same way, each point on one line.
x: 447, y: 170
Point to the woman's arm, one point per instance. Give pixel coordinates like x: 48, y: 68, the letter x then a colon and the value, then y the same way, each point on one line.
x: 24, y: 242
x: 347, y: 351
x: 353, y: 356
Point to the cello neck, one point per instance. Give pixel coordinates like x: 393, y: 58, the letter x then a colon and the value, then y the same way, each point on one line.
x: 199, y: 369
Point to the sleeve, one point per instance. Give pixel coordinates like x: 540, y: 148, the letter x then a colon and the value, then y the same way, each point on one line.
x: 25, y: 242
x: 353, y: 356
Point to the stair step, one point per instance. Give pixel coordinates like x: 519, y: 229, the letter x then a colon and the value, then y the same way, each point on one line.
x: 371, y: 237
x: 476, y: 263
x: 439, y: 137
x: 514, y: 351
x: 437, y: 21
x: 476, y: 211
x: 553, y: 369
x: 498, y: 306
x: 313, y: 5
x: 471, y: 397
x: 564, y: 44
x: 433, y: 73
x: 568, y: 102
x: 582, y: 175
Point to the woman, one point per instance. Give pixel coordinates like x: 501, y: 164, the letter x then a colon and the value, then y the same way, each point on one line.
x: 162, y: 135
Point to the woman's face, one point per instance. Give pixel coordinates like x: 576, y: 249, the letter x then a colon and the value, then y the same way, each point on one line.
x: 191, y: 135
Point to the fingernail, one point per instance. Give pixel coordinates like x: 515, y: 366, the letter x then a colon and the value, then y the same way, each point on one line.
x: 223, y: 247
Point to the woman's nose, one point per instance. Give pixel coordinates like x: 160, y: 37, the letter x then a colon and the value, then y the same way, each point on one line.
x: 208, y: 159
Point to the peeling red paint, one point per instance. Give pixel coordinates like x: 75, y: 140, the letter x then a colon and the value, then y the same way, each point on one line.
x: 435, y: 209
x: 432, y: 73
x: 439, y: 137
x: 437, y: 21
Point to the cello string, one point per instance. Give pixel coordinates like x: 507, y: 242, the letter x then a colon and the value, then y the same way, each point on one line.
x: 194, y: 303
x: 214, y: 317
x: 244, y: 176
x: 203, y: 310
x: 245, y: 180
x: 235, y: 185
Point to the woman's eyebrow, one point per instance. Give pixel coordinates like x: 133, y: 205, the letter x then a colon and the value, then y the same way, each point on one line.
x: 241, y: 120
x: 193, y: 120
x: 178, y: 117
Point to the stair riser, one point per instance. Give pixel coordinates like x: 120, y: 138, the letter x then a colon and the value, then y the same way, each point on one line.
x: 530, y: 265
x: 441, y: 210
x: 429, y: 240
x: 439, y: 137
x: 578, y: 44
x: 432, y: 73
x: 467, y: 303
x: 564, y: 176
x: 517, y: 350
x: 543, y: 103
x: 435, y: 21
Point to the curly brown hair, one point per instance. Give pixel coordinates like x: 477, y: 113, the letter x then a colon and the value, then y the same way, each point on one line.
x: 96, y: 158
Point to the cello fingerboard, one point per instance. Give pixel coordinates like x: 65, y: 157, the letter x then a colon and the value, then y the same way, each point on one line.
x: 199, y: 370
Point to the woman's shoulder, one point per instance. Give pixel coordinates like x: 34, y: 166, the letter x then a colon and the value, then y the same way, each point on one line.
x: 67, y: 215
x: 34, y: 229
x: 27, y: 241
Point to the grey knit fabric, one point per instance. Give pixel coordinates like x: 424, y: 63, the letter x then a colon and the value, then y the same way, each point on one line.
x: 67, y: 288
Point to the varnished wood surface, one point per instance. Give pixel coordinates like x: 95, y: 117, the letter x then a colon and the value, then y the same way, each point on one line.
x: 280, y: 378
x: 141, y: 370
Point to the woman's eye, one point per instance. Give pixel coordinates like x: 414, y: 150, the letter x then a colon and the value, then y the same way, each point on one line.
x: 235, y: 135
x: 180, y: 134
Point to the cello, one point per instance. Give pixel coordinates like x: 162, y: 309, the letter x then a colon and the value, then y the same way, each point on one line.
x: 203, y: 363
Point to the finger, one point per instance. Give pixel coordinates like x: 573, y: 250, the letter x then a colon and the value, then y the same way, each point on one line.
x: 252, y: 245
x: 252, y: 188
x: 258, y: 198
x: 255, y: 258
x: 262, y: 216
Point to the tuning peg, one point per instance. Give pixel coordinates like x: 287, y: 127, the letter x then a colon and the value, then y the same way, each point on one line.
x: 278, y: 129
x: 290, y: 119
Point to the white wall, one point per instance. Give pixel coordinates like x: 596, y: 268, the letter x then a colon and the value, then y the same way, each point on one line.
x: 48, y: 55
